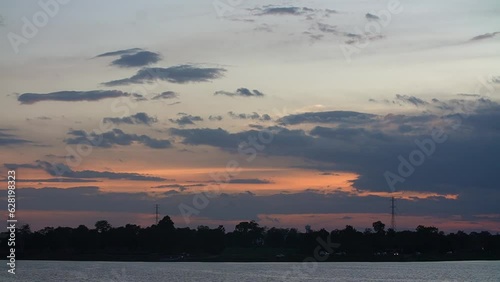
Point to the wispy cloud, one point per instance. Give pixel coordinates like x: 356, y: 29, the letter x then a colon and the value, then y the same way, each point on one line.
x: 485, y: 36
x: 9, y: 139
x: 186, y: 119
x: 115, y: 137
x: 372, y: 16
x: 139, y: 118
x: 181, y: 187
x: 241, y: 92
x: 63, y: 170
x: 327, y: 117
x: 64, y: 180
x: 176, y: 74
x: 70, y: 96
x: 249, y: 181
x: 290, y: 10
x: 120, y: 52
x: 135, y: 57
x: 254, y: 116
x: 166, y: 95
x: 215, y: 118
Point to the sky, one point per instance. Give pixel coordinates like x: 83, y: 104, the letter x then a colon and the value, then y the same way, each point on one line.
x: 289, y: 113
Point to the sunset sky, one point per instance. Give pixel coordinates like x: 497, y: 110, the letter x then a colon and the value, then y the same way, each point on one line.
x: 284, y: 112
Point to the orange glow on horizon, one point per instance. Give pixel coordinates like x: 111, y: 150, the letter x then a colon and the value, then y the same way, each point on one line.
x: 292, y: 180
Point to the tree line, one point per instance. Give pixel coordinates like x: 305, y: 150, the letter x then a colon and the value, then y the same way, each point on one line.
x: 164, y: 240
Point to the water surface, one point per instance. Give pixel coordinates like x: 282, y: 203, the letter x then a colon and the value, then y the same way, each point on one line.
x: 45, y: 271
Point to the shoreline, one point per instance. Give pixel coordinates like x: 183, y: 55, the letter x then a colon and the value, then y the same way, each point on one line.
x: 111, y: 258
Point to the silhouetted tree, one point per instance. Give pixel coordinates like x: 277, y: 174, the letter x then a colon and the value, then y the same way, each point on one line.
x: 164, y: 239
x: 102, y: 226
x: 379, y: 227
x: 249, y: 234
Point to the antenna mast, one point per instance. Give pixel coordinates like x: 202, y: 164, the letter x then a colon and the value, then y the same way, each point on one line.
x: 156, y: 214
x: 393, y: 214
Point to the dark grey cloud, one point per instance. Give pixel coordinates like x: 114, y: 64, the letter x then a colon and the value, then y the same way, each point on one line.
x: 52, y: 156
x: 114, y: 137
x: 256, y: 126
x: 177, y: 186
x: 120, y: 52
x: 370, y: 145
x: 354, y: 38
x: 410, y: 100
x: 17, y: 166
x: 165, y: 95
x: 463, y: 163
x: 452, y: 105
x: 329, y: 173
x: 353, y: 35
x: 66, y: 171
x: 249, y: 181
x: 326, y: 28
x: 180, y: 187
x: 265, y: 117
x: 138, y: 97
x: 270, y: 10
x: 309, y: 13
x: 464, y: 105
x: 175, y: 74
x: 241, y: 92
x: 254, y: 116
x: 186, y: 119
x: 371, y: 16
x: 347, y: 134
x: 64, y: 180
x: 242, y: 20
x: 327, y: 117
x: 70, y: 96
x: 361, y: 39
x: 222, y: 139
x: 313, y: 37
x: 63, y: 170
x: 215, y: 118
x: 485, y: 36
x: 135, y: 57
x: 170, y: 193
x: 139, y: 118
x: 10, y: 139
x: 207, y: 136
x: 373, y: 153
x: 139, y: 59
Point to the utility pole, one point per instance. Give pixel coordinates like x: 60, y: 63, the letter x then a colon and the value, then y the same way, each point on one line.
x: 393, y: 214
x: 156, y: 214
